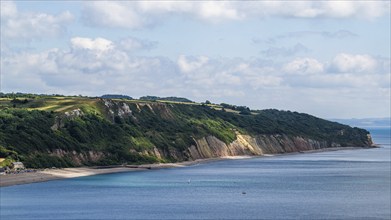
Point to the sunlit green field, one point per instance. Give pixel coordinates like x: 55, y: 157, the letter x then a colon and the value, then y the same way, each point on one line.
x: 67, y: 103
x: 94, y: 105
x: 56, y: 104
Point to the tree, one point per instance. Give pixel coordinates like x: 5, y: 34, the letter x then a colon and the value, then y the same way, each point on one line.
x: 245, y: 111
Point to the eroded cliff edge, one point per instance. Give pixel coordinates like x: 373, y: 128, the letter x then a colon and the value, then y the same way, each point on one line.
x: 245, y: 145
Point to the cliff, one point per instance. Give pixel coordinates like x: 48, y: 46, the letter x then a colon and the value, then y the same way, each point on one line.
x: 212, y: 147
x: 247, y: 145
x: 65, y: 132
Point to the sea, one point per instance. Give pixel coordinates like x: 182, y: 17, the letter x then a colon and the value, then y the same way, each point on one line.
x: 345, y: 184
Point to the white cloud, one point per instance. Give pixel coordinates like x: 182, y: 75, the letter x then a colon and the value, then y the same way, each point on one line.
x: 353, y: 63
x: 98, y: 66
x: 300, y: 9
x: 340, y: 8
x: 216, y: 11
x: 257, y: 75
x: 88, y: 66
x: 263, y: 81
x: 90, y: 62
x: 338, y: 81
x: 99, y: 44
x: 322, y: 9
x: 144, y: 13
x: 124, y: 14
x: 31, y: 25
x: 303, y: 66
x: 234, y: 74
x: 365, y: 9
x: 189, y: 64
x: 8, y: 9
x: 112, y: 14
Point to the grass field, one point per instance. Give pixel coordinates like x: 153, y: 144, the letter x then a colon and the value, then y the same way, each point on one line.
x: 56, y: 104
x: 86, y: 104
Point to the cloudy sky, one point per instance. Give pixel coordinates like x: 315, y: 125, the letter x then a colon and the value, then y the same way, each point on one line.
x: 330, y: 59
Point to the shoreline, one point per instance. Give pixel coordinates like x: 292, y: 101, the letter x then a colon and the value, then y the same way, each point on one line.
x: 65, y: 173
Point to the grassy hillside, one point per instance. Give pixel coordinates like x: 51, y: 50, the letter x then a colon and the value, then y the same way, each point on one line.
x: 46, y: 131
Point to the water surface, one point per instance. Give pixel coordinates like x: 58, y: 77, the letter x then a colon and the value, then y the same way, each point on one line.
x: 348, y: 184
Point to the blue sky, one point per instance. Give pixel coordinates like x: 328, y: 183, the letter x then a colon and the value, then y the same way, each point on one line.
x: 326, y: 58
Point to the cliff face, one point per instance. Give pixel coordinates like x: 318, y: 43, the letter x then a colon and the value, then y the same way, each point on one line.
x: 212, y: 147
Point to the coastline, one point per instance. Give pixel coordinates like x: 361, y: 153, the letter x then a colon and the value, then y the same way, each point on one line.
x: 65, y: 173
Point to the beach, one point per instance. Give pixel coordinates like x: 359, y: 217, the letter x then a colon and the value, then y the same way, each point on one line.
x: 55, y: 174
x: 63, y: 173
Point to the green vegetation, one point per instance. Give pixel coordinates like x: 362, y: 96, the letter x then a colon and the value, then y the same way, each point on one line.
x: 7, y: 156
x: 115, y: 96
x: 172, y: 99
x: 47, y: 131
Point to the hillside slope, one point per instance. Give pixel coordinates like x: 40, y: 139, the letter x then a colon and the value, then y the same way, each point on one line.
x: 76, y: 131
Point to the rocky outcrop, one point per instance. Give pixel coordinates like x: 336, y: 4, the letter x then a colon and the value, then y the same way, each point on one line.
x: 60, y: 120
x: 163, y: 109
x: 210, y: 146
x: 115, y: 108
x: 78, y: 158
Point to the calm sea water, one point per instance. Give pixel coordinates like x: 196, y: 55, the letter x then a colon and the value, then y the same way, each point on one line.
x: 349, y: 184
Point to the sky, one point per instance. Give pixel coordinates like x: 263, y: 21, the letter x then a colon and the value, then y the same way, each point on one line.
x: 330, y: 59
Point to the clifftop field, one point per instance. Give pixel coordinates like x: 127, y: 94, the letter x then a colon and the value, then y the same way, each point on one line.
x: 64, y: 131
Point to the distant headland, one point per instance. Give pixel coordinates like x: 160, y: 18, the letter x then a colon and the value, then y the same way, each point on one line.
x: 44, y: 131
